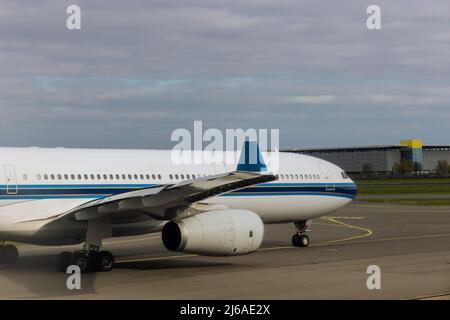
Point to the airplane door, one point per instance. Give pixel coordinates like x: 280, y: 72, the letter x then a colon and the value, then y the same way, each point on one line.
x: 329, y: 183
x: 11, y: 180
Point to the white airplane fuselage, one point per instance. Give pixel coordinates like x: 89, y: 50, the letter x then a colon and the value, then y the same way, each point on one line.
x: 39, y: 184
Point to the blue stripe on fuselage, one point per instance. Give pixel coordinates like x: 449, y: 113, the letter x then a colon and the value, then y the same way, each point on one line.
x: 55, y: 191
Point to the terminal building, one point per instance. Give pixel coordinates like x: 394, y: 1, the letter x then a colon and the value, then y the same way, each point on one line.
x: 382, y: 158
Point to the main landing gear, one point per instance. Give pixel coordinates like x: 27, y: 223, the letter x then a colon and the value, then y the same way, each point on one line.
x: 91, y: 258
x: 8, y: 253
x: 300, y: 239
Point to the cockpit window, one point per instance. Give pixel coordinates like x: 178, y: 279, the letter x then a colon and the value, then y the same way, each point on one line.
x: 344, y: 175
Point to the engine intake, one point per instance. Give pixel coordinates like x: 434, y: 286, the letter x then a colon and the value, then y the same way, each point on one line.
x: 215, y: 233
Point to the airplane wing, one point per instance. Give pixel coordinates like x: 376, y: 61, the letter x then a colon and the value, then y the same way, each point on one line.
x: 165, y: 202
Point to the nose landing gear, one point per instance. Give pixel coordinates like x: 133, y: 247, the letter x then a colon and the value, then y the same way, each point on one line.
x: 300, y: 239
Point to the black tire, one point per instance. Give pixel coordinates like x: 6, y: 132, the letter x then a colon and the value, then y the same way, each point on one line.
x: 296, y: 240
x: 81, y: 260
x: 105, y: 261
x: 63, y: 261
x: 9, y: 254
x: 303, y: 240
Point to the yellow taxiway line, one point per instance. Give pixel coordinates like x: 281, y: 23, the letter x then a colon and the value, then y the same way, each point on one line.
x: 367, y: 231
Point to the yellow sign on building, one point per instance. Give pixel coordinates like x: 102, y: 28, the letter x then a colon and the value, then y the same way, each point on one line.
x: 414, y: 143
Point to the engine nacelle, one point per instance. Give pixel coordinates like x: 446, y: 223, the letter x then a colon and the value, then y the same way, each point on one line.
x: 215, y: 233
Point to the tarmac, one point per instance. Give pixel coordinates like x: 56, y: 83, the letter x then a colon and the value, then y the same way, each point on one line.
x: 410, y: 245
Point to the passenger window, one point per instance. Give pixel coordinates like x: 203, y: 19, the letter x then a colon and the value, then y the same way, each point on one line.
x: 130, y: 177
x: 176, y: 177
x: 170, y: 177
x: 182, y: 177
x: 38, y: 176
x: 79, y: 177
x: 159, y: 177
x: 147, y: 176
x: 52, y: 176
x: 124, y: 177
x: 153, y: 177
x: 45, y: 176
x: 135, y: 176
x: 25, y: 177
x: 105, y: 177
x: 59, y: 177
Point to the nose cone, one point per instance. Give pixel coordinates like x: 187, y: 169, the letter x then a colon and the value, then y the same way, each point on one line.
x: 354, y: 188
x: 349, y: 185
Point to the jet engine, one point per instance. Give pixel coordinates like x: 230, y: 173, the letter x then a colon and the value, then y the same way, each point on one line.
x: 226, y: 232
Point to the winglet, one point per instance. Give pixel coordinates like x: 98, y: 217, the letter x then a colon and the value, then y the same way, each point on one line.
x: 251, y: 158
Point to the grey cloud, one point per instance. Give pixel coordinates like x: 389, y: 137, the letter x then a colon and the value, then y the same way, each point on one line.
x: 139, y: 69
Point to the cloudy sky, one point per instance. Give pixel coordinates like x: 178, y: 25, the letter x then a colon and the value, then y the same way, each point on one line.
x: 137, y: 70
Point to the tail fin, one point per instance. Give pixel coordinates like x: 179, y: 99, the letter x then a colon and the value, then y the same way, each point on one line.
x: 251, y: 159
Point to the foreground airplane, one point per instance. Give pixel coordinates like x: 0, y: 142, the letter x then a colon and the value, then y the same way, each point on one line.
x: 69, y: 196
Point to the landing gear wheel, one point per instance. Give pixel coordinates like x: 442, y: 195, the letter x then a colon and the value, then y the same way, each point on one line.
x: 296, y: 240
x: 63, y: 261
x: 8, y: 254
x: 300, y: 240
x: 81, y: 260
x: 105, y: 261
x: 303, y: 240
